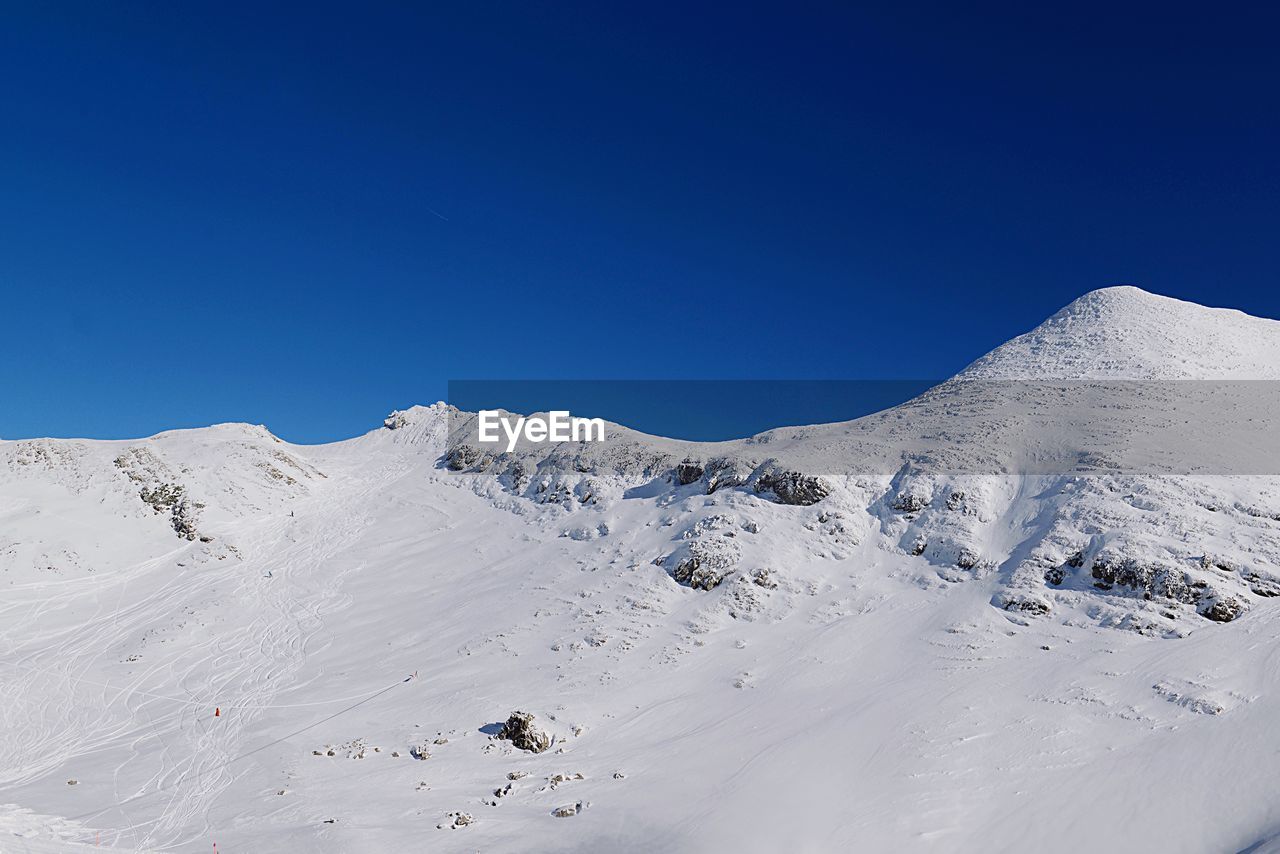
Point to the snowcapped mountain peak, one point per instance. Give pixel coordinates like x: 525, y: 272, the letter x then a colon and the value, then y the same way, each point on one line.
x: 197, y: 618
x: 417, y: 414
x: 1127, y: 333
x: 417, y: 425
x: 222, y: 431
x: 1117, y: 297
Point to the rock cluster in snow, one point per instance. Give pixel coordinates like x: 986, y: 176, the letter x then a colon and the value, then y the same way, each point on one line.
x: 523, y: 734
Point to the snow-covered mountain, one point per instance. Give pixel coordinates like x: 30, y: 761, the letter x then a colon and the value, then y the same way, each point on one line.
x: 1126, y: 333
x: 213, y: 636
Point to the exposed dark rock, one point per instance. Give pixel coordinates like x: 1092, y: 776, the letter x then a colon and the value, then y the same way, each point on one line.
x: 461, y: 457
x: 1025, y: 604
x: 172, y: 498
x: 1262, y: 584
x: 691, y: 573
x: 1055, y: 575
x: 725, y: 473
x: 520, y: 731
x: 517, y: 476
x: 703, y: 563
x: 1223, y: 609
x: 792, y: 487
x: 1150, y: 578
x: 1210, y: 561
x: 1259, y: 513
x: 689, y: 471
x: 909, y: 502
x: 764, y: 578
x: 183, y: 520
x: 955, y: 500
x: 162, y: 497
x: 967, y: 559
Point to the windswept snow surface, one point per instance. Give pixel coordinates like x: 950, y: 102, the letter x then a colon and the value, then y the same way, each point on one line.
x: 913, y: 661
x: 1126, y: 333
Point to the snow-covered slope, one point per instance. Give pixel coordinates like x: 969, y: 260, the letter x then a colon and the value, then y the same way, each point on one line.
x: 1126, y: 333
x: 224, y: 638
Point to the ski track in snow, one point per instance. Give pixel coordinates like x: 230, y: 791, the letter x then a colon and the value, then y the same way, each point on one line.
x: 255, y: 652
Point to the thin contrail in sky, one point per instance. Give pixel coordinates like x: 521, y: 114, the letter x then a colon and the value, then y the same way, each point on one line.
x: 437, y: 213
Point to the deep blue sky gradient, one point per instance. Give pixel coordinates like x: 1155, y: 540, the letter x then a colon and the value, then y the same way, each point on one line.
x: 305, y: 215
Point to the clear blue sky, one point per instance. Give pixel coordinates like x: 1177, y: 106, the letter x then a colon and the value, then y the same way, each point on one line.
x: 306, y: 215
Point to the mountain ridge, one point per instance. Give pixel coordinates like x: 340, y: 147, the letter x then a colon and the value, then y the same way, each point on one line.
x: 719, y: 638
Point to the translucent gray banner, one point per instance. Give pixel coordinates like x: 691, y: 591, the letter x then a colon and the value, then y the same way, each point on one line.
x: 1169, y: 427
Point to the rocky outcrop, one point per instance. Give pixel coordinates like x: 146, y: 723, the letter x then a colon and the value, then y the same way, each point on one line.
x: 1222, y: 609
x: 464, y: 457
x: 171, y: 499
x: 689, y: 471
x: 1261, y: 583
x: 703, y: 563
x: 1024, y: 603
x: 726, y: 473
x: 792, y: 487
x: 909, y: 502
x: 523, y: 735
x: 764, y: 578
x: 1155, y: 580
x: 1150, y: 578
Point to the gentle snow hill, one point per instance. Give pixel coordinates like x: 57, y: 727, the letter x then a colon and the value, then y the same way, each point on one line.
x: 745, y: 646
x: 1126, y: 333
